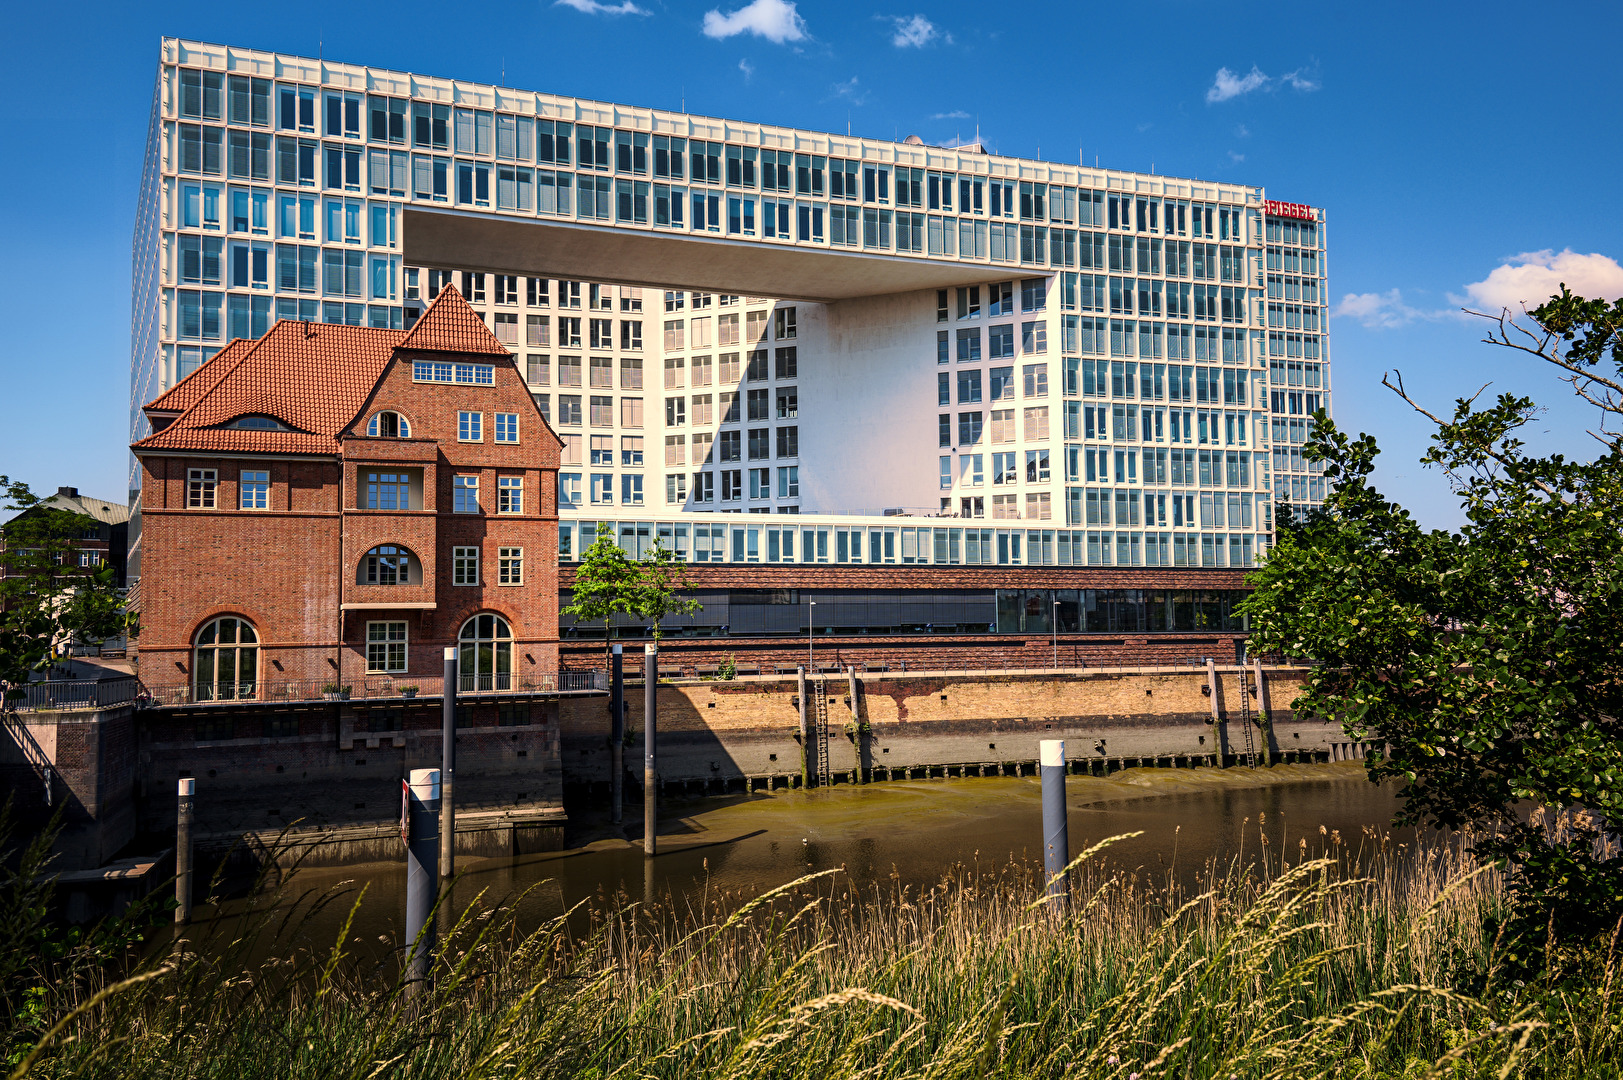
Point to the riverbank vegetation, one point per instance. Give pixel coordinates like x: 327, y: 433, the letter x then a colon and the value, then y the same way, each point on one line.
x: 1315, y: 961
x: 1488, y: 660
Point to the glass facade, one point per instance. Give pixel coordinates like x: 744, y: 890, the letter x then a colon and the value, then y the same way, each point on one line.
x: 1137, y: 392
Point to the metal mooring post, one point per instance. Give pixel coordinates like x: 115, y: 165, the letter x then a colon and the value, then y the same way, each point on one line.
x: 1056, y: 835
x: 805, y: 735
x: 650, y: 769
x: 447, y: 816
x: 617, y: 734
x: 422, y: 873
x: 183, y: 852
x: 860, y: 741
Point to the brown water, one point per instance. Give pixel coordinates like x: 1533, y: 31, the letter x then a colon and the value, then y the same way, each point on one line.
x: 884, y: 835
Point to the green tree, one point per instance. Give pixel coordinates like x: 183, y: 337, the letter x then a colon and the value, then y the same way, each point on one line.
x: 660, y: 577
x: 605, y: 583
x: 46, y: 598
x: 1489, y: 659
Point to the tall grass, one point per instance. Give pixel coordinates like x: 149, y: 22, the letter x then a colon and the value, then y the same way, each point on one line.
x: 1319, y: 964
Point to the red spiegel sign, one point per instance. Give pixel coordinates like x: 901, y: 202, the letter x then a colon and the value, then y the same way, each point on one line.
x: 1288, y: 209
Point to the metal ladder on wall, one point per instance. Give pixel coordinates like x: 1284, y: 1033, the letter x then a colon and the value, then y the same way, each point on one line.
x: 1245, y: 722
x: 819, y: 690
x: 36, y: 757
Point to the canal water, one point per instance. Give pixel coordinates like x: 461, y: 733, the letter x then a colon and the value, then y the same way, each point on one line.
x: 882, y: 837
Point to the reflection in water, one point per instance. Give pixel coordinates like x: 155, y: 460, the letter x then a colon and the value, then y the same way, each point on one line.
x: 885, y: 835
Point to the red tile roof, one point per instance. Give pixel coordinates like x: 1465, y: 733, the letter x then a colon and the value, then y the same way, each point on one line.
x: 190, y: 390
x: 313, y: 377
x: 450, y: 325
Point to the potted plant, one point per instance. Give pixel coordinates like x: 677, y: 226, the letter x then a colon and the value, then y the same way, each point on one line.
x: 334, y: 692
x: 408, y: 691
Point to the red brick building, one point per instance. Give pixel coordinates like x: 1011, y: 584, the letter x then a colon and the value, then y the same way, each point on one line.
x: 336, y: 504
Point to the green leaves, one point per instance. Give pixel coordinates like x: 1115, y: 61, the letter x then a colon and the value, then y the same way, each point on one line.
x: 48, y: 600
x: 603, y: 581
x: 1489, y: 659
x: 609, y: 581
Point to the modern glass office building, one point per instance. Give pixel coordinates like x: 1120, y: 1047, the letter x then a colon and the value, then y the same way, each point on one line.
x: 1078, y: 366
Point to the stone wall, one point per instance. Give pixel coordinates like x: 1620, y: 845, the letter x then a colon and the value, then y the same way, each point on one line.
x: 743, y: 734
x: 94, y: 772
x: 330, y: 774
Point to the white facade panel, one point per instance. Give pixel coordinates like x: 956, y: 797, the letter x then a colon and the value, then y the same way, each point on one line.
x: 1127, y: 358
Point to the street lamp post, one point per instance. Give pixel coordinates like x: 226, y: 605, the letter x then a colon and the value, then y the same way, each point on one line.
x: 1055, y: 628
x: 810, y: 640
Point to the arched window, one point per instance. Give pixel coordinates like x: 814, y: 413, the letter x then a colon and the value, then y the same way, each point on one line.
x: 486, y: 655
x: 389, y: 425
x: 225, y: 662
x: 388, y: 564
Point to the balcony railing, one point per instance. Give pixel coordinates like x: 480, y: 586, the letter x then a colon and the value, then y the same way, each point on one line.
x: 375, y: 688
x: 76, y: 694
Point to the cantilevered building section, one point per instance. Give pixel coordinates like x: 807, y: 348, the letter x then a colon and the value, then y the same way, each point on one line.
x: 1028, y: 363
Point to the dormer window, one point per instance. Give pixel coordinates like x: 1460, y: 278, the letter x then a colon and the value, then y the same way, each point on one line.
x: 257, y: 423
x: 389, y: 425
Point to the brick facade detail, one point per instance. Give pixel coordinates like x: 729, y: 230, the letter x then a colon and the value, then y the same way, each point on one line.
x: 295, y: 569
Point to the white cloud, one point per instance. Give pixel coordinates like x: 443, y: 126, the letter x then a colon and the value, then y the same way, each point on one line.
x: 1235, y: 159
x: 1529, y: 278
x: 1382, y: 311
x: 1230, y: 85
x: 914, y: 31
x: 848, y: 90
x: 1533, y: 277
x: 593, y: 7
x: 747, y: 68
x: 1242, y: 131
x: 956, y: 114
x: 775, y: 20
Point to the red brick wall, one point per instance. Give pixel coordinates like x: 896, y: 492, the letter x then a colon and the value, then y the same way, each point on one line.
x: 936, y: 652
x: 289, y: 568
x: 275, y: 567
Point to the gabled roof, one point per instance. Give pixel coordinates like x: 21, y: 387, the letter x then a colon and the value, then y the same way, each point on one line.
x: 313, y: 377
x: 450, y: 325
x: 190, y: 390
x: 109, y: 512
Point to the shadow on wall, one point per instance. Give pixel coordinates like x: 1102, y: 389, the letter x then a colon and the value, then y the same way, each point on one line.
x: 719, y: 736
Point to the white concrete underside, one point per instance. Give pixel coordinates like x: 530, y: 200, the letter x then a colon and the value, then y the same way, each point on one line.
x: 453, y: 240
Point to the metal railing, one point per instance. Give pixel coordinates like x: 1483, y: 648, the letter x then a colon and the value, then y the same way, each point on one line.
x: 61, y: 695
x: 44, y: 768
x: 965, y: 667
x: 374, y: 688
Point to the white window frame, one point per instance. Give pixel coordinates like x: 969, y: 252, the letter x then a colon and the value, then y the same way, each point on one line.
x: 464, y: 559
x: 260, y: 483
x: 470, y: 426
x: 463, y: 488
x: 387, y: 642
x: 509, y: 495
x: 507, y: 427
x: 510, y: 566
x: 202, y: 488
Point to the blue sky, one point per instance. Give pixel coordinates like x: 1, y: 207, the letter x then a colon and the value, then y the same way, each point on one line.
x: 1450, y: 144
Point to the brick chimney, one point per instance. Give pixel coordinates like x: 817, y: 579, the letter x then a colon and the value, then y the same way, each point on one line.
x: 68, y: 492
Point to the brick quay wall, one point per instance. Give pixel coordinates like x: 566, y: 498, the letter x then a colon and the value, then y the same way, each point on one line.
x: 330, y: 772
x: 718, y: 736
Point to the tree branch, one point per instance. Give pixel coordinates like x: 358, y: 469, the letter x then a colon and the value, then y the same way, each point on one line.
x: 1541, y: 349
x: 1488, y: 450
